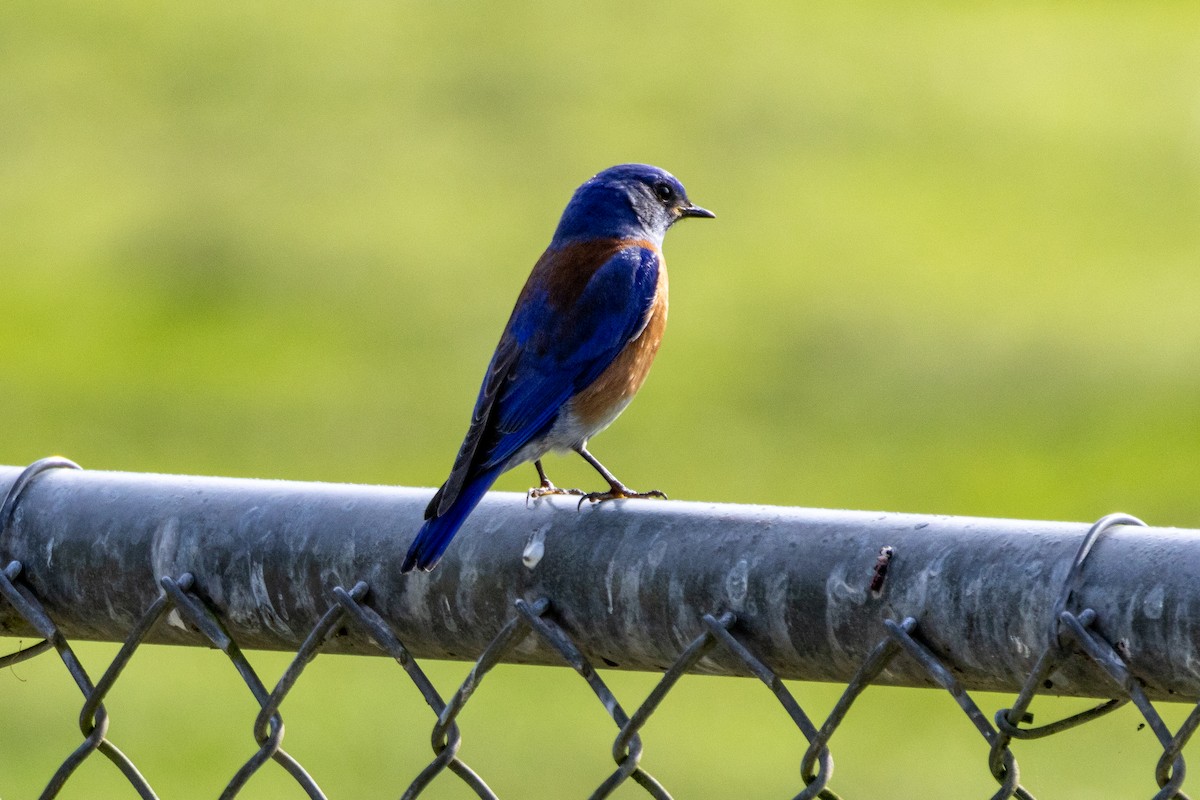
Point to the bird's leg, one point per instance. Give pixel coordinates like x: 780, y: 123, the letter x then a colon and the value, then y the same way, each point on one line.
x: 617, y: 490
x: 546, y: 487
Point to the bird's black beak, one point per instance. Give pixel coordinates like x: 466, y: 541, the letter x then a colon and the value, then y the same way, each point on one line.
x: 695, y: 211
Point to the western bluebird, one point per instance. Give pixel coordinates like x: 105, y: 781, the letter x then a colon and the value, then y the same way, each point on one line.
x: 576, y: 349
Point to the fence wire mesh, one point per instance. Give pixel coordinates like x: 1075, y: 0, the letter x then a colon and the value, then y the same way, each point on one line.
x: 350, y: 610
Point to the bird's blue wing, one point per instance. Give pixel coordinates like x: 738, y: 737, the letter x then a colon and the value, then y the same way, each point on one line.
x: 565, y: 343
x: 577, y: 311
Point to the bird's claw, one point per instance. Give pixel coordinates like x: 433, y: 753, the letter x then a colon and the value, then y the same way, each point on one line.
x: 619, y: 493
x: 546, y: 489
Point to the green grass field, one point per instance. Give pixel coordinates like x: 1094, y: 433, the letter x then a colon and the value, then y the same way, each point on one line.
x: 954, y: 270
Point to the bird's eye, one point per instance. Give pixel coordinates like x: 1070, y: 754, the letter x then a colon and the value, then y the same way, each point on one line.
x: 664, y: 191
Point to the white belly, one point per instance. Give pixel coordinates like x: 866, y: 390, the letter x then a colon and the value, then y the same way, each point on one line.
x: 567, y: 433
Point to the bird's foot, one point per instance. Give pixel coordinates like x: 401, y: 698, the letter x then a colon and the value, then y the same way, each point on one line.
x: 618, y: 492
x: 546, y: 489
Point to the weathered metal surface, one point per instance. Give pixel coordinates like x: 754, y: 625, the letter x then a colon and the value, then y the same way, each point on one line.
x: 630, y: 581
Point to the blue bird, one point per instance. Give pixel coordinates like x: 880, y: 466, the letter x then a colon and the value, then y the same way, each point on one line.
x: 576, y: 349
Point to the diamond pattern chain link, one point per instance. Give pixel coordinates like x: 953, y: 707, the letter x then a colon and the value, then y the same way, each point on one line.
x: 1072, y: 634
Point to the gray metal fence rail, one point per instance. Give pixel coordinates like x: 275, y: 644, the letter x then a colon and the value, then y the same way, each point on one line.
x: 1109, y: 611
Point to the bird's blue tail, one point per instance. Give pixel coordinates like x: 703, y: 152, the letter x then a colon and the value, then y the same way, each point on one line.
x: 435, y: 535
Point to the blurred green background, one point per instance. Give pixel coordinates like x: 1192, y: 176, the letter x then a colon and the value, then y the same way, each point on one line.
x: 955, y: 270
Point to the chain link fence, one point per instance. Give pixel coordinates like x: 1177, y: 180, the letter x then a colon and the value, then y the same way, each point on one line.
x: 1106, y: 611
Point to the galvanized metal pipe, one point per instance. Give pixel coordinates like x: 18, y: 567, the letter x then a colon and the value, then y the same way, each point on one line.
x: 629, y: 581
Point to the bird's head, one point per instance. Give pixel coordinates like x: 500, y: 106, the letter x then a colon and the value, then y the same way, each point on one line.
x: 627, y: 201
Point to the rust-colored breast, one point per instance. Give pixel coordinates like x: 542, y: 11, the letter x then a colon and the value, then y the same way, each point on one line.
x: 599, y: 404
